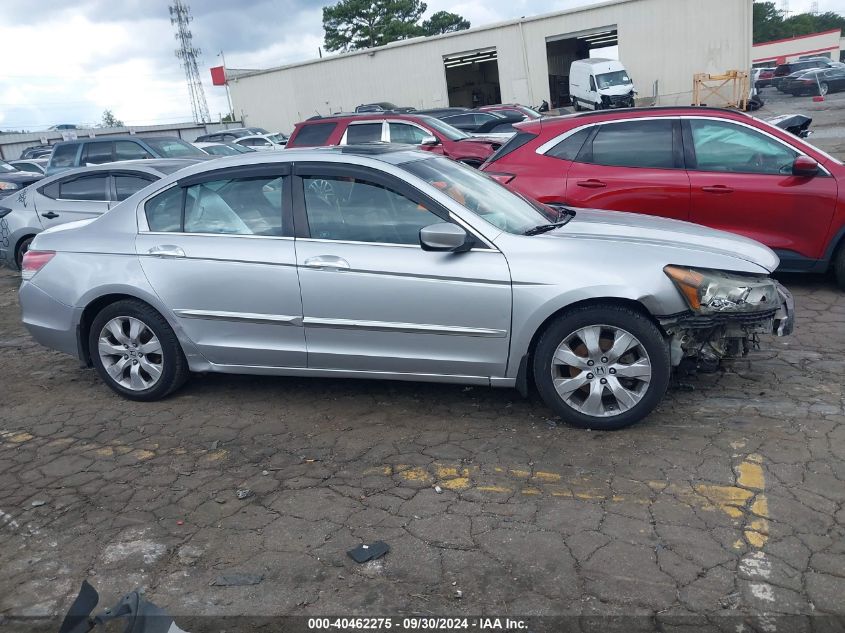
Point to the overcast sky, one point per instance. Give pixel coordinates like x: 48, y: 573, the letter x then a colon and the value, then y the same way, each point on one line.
x: 67, y: 61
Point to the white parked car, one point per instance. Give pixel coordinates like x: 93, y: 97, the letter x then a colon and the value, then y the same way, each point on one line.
x: 276, y: 140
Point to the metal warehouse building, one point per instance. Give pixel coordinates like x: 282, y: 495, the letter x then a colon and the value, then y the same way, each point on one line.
x: 662, y: 43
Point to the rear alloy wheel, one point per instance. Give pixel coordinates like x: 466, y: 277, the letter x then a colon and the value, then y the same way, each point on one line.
x: 603, y: 367
x: 23, y: 247
x: 823, y: 88
x: 136, y: 352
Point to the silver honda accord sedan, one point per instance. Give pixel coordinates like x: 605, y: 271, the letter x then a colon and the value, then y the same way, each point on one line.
x: 380, y: 261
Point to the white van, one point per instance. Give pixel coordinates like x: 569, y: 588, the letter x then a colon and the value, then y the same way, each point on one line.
x: 597, y: 84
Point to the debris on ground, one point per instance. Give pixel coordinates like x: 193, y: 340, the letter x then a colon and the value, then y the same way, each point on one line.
x: 364, y: 553
x: 237, y: 580
x: 438, y: 489
x: 38, y: 503
x: 244, y: 493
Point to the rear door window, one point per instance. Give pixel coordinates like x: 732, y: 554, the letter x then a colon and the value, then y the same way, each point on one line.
x: 93, y: 187
x: 313, y: 134
x: 363, y: 133
x: 569, y: 147
x: 125, y: 185
x: 97, y: 153
x: 647, y: 144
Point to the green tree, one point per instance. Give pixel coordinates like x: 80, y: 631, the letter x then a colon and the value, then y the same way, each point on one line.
x: 444, y: 22
x: 109, y: 120
x: 770, y: 25
x: 355, y: 24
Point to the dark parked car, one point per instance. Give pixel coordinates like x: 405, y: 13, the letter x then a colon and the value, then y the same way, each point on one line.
x: 512, y: 109
x: 382, y: 106
x: 716, y: 167
x: 784, y: 70
x: 109, y: 149
x: 12, y: 179
x: 427, y: 132
x: 229, y: 135
x: 818, y: 81
x: 37, y: 151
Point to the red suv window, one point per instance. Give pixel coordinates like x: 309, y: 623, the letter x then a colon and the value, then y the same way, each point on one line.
x: 312, y: 134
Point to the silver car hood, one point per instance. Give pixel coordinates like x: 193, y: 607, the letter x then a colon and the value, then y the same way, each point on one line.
x: 648, y: 229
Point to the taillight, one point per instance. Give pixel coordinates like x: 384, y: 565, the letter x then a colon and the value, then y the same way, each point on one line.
x: 501, y: 177
x: 33, y: 261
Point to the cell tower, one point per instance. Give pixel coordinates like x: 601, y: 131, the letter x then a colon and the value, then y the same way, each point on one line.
x: 180, y: 16
x: 814, y: 8
x: 784, y: 8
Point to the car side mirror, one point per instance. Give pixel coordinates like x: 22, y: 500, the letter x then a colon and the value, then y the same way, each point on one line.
x: 805, y: 166
x: 430, y: 140
x: 443, y: 236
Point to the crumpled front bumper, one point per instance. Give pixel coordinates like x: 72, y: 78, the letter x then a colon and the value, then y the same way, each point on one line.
x: 784, y: 320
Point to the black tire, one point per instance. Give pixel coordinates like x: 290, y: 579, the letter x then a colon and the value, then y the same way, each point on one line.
x: 650, y: 338
x: 23, y: 247
x: 174, y: 371
x: 575, y: 105
x: 839, y: 266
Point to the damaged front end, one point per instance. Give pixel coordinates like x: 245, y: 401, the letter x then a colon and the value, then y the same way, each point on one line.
x: 728, y: 311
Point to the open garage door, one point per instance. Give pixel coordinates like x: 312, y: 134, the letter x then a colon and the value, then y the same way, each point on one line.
x: 472, y: 79
x: 562, y: 50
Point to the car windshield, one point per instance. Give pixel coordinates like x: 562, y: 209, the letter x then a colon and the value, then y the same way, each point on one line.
x: 173, y: 148
x: 450, y: 132
x: 221, y: 150
x: 6, y: 167
x: 617, y: 78
x: 531, y: 113
x: 482, y: 195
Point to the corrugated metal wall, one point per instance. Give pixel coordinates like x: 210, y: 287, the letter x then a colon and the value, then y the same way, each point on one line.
x: 659, y: 40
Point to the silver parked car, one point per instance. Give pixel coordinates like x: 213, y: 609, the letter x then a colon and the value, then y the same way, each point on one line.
x: 384, y: 262
x: 73, y: 195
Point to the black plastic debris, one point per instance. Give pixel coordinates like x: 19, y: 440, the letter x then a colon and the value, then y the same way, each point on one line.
x: 363, y: 553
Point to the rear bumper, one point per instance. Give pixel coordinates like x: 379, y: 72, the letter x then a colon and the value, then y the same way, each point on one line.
x: 51, y: 323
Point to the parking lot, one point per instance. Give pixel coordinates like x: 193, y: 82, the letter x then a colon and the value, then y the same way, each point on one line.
x: 727, y: 502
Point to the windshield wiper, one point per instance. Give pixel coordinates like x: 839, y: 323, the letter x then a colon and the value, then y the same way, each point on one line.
x: 563, y: 212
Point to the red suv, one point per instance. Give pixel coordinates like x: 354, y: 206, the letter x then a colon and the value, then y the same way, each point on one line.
x: 413, y: 129
x: 716, y: 167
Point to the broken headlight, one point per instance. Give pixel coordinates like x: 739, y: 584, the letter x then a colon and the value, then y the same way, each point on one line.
x: 716, y: 291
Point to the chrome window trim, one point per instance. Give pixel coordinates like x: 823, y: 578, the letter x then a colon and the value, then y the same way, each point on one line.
x: 247, y: 236
x: 548, y: 145
x: 756, y: 129
x: 545, y: 147
x: 407, y: 328
x: 323, y: 240
x: 250, y: 317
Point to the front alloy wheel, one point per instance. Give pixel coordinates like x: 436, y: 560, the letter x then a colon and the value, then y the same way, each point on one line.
x: 602, y: 367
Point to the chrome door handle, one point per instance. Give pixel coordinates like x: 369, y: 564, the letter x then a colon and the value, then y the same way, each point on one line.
x: 166, y: 250
x: 591, y: 183
x: 49, y: 215
x: 327, y: 262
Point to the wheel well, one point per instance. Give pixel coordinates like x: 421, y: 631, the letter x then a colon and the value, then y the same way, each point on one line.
x: 89, y: 314
x: 20, y: 242
x: 603, y: 301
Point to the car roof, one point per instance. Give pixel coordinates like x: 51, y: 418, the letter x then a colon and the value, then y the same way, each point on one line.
x: 364, y: 116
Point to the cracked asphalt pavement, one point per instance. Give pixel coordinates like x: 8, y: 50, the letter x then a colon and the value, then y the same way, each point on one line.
x: 724, y: 509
